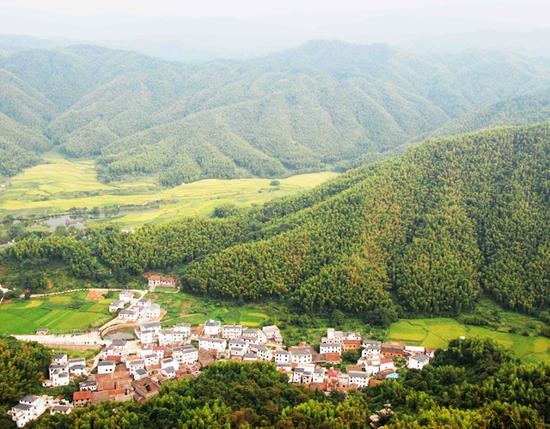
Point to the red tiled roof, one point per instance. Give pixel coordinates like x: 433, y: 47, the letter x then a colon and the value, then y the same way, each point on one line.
x: 81, y: 395
x: 332, y: 357
x: 387, y: 360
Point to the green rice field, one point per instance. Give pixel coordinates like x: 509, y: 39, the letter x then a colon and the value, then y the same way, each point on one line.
x: 438, y: 331
x: 61, y: 184
x: 59, y: 313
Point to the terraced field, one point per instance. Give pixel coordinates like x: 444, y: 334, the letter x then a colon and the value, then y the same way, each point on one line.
x: 59, y: 313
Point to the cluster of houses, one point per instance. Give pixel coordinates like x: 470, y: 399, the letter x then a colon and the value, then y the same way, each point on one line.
x: 132, y: 309
x: 62, y: 370
x: 136, y: 369
x: 31, y: 407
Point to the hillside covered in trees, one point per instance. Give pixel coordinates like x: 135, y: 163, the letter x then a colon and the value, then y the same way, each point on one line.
x: 526, y: 109
x: 428, y: 232
x: 323, y: 105
x: 473, y: 384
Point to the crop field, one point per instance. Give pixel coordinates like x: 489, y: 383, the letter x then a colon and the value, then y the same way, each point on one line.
x: 63, y: 184
x: 59, y: 313
x: 438, y: 331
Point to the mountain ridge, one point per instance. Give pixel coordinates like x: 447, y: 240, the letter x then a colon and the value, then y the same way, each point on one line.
x: 322, y: 105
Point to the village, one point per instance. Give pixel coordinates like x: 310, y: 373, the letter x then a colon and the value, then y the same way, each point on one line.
x: 135, y: 369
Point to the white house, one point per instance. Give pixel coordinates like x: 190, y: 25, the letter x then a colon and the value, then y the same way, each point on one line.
x: 87, y: 385
x: 186, y: 355
x: 301, y: 355
x: 318, y: 375
x: 216, y: 344
x: 184, y: 329
x: 169, y: 372
x: 387, y: 364
x: 358, y: 378
x: 170, y: 362
x: 250, y: 357
x: 135, y: 364
x: 139, y: 374
x: 418, y: 361
x: 212, y: 327
x: 60, y: 359
x: 77, y: 367
x: 262, y: 352
x: 282, y: 357
x: 28, y: 409
x: 151, y: 359
x: 116, y: 305
x: 253, y: 336
x: 273, y: 334
x: 126, y: 296
x: 147, y: 332
x: 106, y: 367
x: 415, y: 350
x: 59, y: 375
x: 231, y: 331
x: 150, y: 311
x: 331, y: 347
x: 238, y: 348
x: 128, y: 315
x: 166, y: 336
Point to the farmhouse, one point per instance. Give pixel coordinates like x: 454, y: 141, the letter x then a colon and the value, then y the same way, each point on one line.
x: 418, y: 361
x: 81, y: 398
x: 105, y: 367
x: 187, y: 355
x: 231, y: 331
x: 262, y: 352
x: 126, y: 296
x: 128, y: 315
x: 301, y: 355
x: 28, y: 409
x: 358, y: 378
x: 273, y: 334
x: 154, y: 280
x: 116, y: 305
x: 87, y: 385
x: 212, y: 327
x: 386, y: 364
x: 216, y: 344
x: 330, y: 348
x: 282, y: 356
x: 184, y: 329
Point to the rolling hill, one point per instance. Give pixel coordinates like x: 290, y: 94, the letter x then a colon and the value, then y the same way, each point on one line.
x: 428, y: 232
x: 525, y: 109
x: 323, y: 105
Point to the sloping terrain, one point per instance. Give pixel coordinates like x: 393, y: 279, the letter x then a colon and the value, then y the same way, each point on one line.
x: 425, y: 233
x: 322, y: 105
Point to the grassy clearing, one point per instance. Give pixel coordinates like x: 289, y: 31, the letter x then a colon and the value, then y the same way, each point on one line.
x: 59, y: 313
x: 63, y: 184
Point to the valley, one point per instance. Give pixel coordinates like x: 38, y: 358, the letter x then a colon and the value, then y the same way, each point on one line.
x: 63, y: 186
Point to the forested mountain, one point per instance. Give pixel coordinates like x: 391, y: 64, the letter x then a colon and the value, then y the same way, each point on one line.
x: 322, y: 105
x: 474, y: 384
x: 526, y: 109
x: 424, y: 233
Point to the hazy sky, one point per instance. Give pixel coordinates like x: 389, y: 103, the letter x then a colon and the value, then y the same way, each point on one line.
x: 251, y: 25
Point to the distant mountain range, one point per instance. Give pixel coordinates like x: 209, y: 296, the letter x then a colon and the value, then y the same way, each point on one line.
x: 323, y: 105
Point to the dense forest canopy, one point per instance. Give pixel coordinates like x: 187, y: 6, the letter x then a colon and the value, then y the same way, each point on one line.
x: 473, y: 384
x: 323, y: 105
x: 426, y: 233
